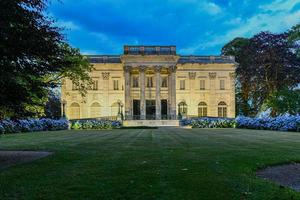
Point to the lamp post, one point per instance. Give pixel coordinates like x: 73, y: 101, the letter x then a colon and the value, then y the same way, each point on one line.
x: 120, y: 110
x: 64, y: 102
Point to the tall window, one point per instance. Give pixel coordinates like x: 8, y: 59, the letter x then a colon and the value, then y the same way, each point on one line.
x: 116, y: 84
x: 135, y: 81
x: 222, y: 109
x: 202, y: 84
x: 150, y: 81
x: 182, y: 84
x: 95, y: 85
x: 202, y: 109
x: 164, y: 81
x: 74, y: 111
x: 222, y: 84
x: 95, y: 110
x: 182, y: 109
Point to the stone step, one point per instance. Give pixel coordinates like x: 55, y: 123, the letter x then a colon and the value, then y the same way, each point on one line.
x: 151, y: 123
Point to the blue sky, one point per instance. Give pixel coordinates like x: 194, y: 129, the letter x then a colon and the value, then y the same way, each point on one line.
x: 195, y: 27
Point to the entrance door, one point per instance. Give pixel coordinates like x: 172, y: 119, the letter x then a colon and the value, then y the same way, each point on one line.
x: 150, y: 109
x: 164, y: 109
x: 136, y: 109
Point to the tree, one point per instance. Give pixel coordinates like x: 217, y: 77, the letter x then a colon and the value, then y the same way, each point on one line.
x: 34, y: 58
x: 53, y: 106
x: 267, y: 63
x: 284, y: 101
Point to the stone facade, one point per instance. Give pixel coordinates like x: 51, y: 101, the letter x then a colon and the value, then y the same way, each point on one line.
x: 153, y: 82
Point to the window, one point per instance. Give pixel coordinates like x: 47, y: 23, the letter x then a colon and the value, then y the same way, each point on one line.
x: 135, y: 81
x: 222, y: 84
x: 202, y: 84
x: 182, y: 84
x: 116, y: 84
x: 164, y: 81
x: 182, y: 109
x: 74, y: 111
x: 202, y: 109
x: 95, y: 110
x: 150, y: 81
x: 222, y: 109
x: 95, y: 85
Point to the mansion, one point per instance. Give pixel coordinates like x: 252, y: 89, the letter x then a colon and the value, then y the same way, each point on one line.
x: 154, y: 82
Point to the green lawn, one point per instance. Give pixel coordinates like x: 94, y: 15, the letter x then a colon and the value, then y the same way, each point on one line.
x: 169, y: 163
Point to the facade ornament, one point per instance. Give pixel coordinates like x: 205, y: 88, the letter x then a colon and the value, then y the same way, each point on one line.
x: 105, y: 75
x: 232, y: 75
x: 212, y: 75
x: 192, y: 75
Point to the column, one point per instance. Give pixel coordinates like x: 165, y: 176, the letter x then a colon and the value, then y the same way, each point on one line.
x: 169, y: 94
x: 173, y: 92
x: 142, y: 92
x: 157, y: 92
x: 127, y: 75
x: 212, y: 109
x: 232, y: 95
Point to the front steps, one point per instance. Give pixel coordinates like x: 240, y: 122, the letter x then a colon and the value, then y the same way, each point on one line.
x: 151, y: 123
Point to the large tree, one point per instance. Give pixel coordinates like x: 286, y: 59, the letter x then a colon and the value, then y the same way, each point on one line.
x: 266, y: 63
x: 34, y: 57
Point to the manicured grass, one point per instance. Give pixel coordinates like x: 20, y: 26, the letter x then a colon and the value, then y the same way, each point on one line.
x: 169, y: 163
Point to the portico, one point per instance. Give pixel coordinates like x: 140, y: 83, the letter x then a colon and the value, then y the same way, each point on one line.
x: 146, y: 93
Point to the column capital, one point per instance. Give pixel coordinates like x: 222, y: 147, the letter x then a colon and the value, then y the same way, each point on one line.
x: 158, y: 68
x: 172, y: 68
x: 192, y: 75
x: 127, y: 68
x: 142, y: 68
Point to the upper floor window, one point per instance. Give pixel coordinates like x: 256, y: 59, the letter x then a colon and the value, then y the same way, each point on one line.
x: 222, y: 84
x: 164, y: 81
x: 135, y: 81
x: 202, y: 84
x: 182, y: 84
x: 95, y: 85
x: 150, y: 81
x: 116, y: 84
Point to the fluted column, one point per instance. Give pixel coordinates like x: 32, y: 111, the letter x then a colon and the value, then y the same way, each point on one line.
x: 232, y: 95
x: 128, y: 109
x: 157, y: 92
x: 173, y: 93
x: 142, y: 92
x: 212, y: 110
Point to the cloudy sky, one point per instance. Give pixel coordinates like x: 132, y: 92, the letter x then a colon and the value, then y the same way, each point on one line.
x: 199, y: 27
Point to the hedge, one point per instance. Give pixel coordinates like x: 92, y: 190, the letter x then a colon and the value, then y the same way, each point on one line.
x: 207, y: 122
x: 32, y: 125
x: 95, y: 124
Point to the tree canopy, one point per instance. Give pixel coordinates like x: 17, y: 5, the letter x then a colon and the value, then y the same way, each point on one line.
x: 267, y: 63
x: 34, y: 57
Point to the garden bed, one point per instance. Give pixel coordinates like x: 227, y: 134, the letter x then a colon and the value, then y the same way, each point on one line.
x: 284, y: 175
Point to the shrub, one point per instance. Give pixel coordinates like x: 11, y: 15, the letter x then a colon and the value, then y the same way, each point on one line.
x: 207, y: 122
x: 95, y: 124
x: 31, y: 125
x: 280, y: 123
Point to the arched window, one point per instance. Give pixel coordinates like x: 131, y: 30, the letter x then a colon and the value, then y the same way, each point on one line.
x: 74, y: 111
x: 222, y: 109
x: 202, y: 109
x: 182, y: 109
x: 115, y: 109
x: 95, y: 110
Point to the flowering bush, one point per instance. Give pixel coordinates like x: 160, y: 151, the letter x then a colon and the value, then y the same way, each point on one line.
x: 95, y: 124
x: 209, y: 122
x: 281, y: 123
x: 31, y: 125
